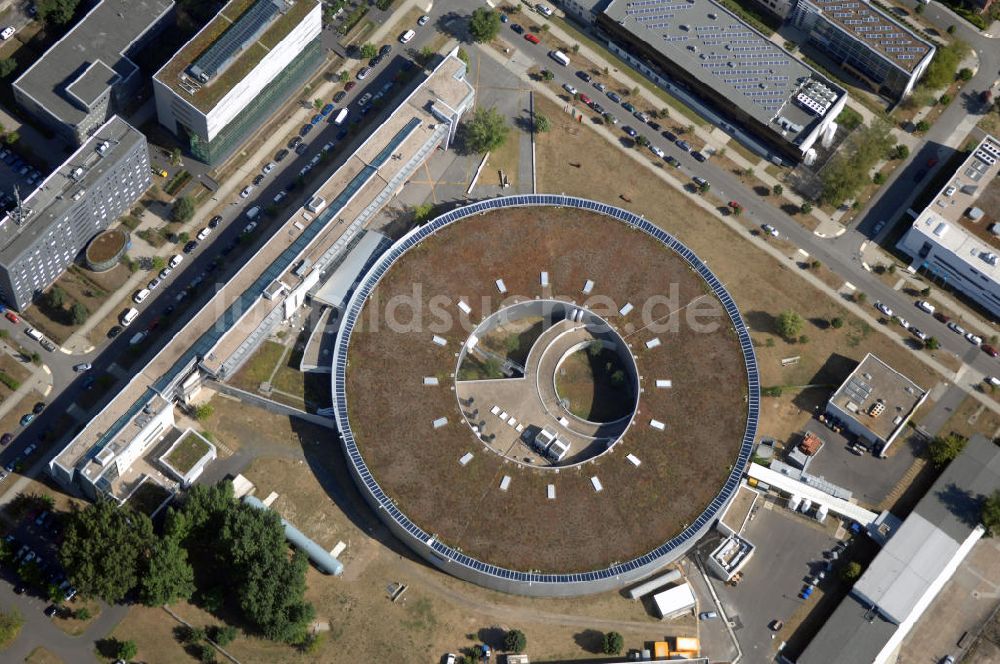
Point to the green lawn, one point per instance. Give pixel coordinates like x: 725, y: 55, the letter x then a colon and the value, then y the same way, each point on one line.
x: 187, y: 452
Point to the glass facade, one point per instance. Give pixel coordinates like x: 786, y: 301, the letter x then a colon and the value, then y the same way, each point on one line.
x: 259, y: 110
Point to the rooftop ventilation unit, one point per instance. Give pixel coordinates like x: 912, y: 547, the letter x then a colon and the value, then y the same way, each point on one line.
x: 989, y: 257
x: 982, y: 154
x: 105, y: 456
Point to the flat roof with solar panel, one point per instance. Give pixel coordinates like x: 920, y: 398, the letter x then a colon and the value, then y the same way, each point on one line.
x: 877, y: 30
x: 729, y: 56
x: 229, y: 47
x: 878, y: 397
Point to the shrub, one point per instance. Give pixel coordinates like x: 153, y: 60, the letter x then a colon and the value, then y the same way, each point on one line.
x: 183, y: 209
x: 613, y: 643
x: 777, y: 190
x: 773, y: 391
x: 82, y: 614
x: 878, y: 178
x: 964, y: 74
x: 943, y: 449
x: 851, y: 572
x: 203, y: 411
x: 900, y: 152
x: 944, y: 100
x: 223, y: 634
x: 923, y: 126
x: 989, y: 514
x: 789, y: 324
x: 514, y: 641
x: 78, y: 313
x: 837, y: 323
x: 806, y: 207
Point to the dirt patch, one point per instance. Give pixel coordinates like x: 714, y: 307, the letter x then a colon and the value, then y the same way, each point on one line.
x: 391, y: 411
x: 42, y: 656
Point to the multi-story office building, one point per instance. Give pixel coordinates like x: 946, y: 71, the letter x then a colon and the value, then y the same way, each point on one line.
x: 247, y: 61
x: 866, y: 43
x: 956, y: 239
x: 91, y: 189
x: 740, y: 73
x: 86, y: 76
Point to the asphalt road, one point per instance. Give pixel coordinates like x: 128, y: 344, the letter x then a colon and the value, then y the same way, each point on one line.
x: 842, y: 255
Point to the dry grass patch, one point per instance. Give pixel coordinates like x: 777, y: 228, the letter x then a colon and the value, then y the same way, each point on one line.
x: 42, y: 656
x: 762, y: 286
x: 972, y: 417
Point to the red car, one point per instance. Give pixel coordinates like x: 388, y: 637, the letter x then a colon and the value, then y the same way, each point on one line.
x: 532, y: 38
x: 12, y: 317
x: 585, y: 99
x: 349, y: 86
x: 990, y: 350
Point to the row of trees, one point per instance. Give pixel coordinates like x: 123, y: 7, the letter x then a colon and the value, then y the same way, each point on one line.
x: 848, y: 170
x: 213, y: 549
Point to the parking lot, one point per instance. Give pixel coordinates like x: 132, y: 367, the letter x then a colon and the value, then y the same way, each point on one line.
x: 789, y: 549
x: 870, y: 478
x: 16, y: 172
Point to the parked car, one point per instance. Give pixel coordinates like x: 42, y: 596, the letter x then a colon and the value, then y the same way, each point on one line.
x: 770, y: 230
x: 27, y: 419
x: 673, y: 161
x: 583, y: 76
x: 683, y: 145
x: 569, y: 88
x: 363, y: 73
x: 154, y: 284
x: 204, y: 233
x: 257, y: 180
x: 973, y: 339
x: 140, y: 295
x: 215, y: 221
x: 884, y: 309
x: 339, y: 97
x: 923, y: 336
x: 364, y: 99
x: 956, y: 328
x: 281, y: 154
x: 247, y: 190
x: 292, y: 144
x: 707, y: 615
x: 190, y: 246
x: 12, y: 317
x: 5, y: 439
x: 632, y: 133
x: 924, y: 305
x: 532, y: 38
x: 349, y: 86
x: 51, y: 610
x: 699, y: 156
x: 657, y: 151
x: 268, y: 167
x: 82, y: 367
x: 516, y: 28
x: 989, y: 350
x: 423, y: 20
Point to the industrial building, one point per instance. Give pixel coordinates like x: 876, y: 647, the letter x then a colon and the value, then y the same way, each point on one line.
x: 956, y: 239
x: 237, y: 71
x: 83, y: 196
x: 917, y: 560
x: 866, y: 42
x: 743, y: 75
x: 875, y: 402
x: 89, y: 74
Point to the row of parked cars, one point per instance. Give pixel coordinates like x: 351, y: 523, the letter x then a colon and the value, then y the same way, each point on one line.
x: 929, y: 308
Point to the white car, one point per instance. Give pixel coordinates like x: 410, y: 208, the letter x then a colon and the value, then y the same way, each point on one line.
x: 570, y: 89
x: 165, y: 272
x: 268, y: 167
x: 903, y: 323
x: 423, y: 20
x: 924, y: 305
x: 249, y: 228
x: 884, y: 309
x: 8, y: 32
x: 246, y: 191
x: 543, y: 10
x: 657, y: 151
x: 140, y: 295
x: 993, y: 380
x: 973, y: 339
x: 923, y: 336
x: 770, y: 230
x: 956, y: 328
x: 154, y: 284
x: 82, y: 367
x: 204, y: 233
x: 175, y: 261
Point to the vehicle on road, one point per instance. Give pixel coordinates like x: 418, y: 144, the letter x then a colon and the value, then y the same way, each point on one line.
x: 268, y: 167
x: 956, y: 328
x: 973, y: 339
x: 683, y: 145
x: 364, y: 99
x: 532, y: 38
x: 770, y: 230
x: 989, y: 350
x: 27, y: 419
x: 878, y: 227
x: 423, y: 20
x: 302, y: 148
x: 657, y: 151
x: 340, y: 117
x: 699, y: 156
x: 583, y: 76
x: 215, y: 221
x: 247, y: 190
x: 407, y: 36
x: 190, y: 246
x: 204, y: 233
x: 517, y: 28
x: 923, y: 336
x: 632, y: 133
x: 569, y: 88
x: 134, y: 341
x: 707, y: 615
x: 884, y: 309
x: 363, y: 73
x: 924, y: 305
x: 252, y: 213
x: 249, y: 228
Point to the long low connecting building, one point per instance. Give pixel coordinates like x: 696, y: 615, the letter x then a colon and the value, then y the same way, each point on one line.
x: 83, y: 196
x: 748, y: 78
x: 108, y: 455
x: 956, y: 238
x: 247, y: 61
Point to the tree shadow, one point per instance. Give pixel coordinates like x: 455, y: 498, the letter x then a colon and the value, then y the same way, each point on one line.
x: 820, y: 323
x: 963, y: 504
x: 590, y: 640
x: 761, y: 190
x: 492, y: 636
x: 761, y: 321
x: 789, y: 209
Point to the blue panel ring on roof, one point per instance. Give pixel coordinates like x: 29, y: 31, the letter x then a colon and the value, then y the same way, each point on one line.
x: 515, y: 581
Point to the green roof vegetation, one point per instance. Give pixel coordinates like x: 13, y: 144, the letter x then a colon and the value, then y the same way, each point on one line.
x: 209, y: 95
x: 186, y: 453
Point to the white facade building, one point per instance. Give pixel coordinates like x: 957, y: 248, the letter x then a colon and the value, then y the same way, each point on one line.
x: 201, y: 98
x: 953, y: 239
